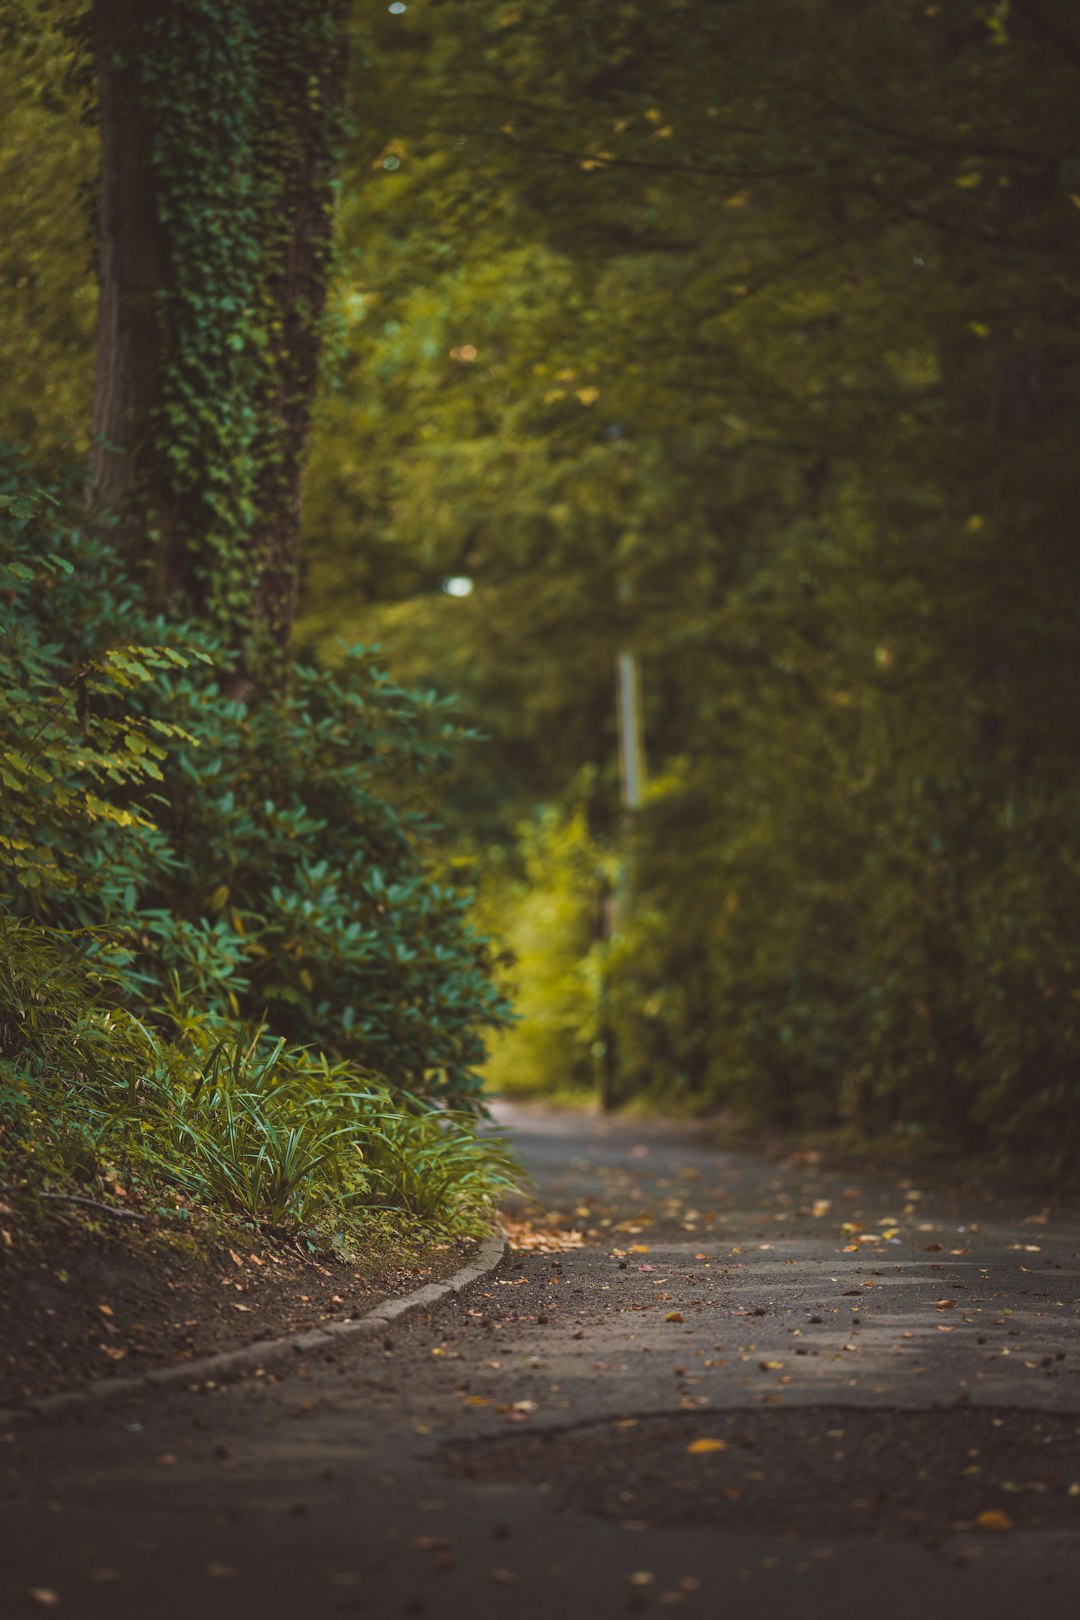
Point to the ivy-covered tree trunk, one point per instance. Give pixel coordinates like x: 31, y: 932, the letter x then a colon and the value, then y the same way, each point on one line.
x: 220, y: 131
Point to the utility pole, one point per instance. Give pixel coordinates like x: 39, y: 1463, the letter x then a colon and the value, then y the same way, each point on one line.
x: 631, y: 743
x: 613, y: 905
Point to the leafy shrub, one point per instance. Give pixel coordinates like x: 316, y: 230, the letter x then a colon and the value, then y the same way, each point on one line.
x: 235, y: 1121
x: 274, y: 861
x: 550, y: 916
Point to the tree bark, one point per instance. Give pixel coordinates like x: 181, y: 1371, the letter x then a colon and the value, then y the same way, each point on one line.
x: 131, y: 268
x: 299, y: 292
x: 219, y: 130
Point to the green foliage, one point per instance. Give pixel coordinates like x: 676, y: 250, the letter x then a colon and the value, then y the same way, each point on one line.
x: 235, y: 1122
x: 71, y: 749
x: 181, y: 864
x: 549, y: 910
x: 47, y: 158
x: 273, y: 861
x: 744, y: 336
x: 244, y: 127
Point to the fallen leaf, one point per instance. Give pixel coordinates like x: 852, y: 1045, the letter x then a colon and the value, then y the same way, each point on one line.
x: 698, y: 1448
x: 993, y: 1519
x: 43, y: 1596
x: 945, y: 1304
x: 674, y: 1316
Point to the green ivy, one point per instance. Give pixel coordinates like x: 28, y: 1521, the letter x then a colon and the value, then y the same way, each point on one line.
x: 242, y: 111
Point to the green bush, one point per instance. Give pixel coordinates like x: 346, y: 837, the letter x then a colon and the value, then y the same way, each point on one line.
x: 549, y: 913
x: 268, y: 862
x: 183, y: 875
x: 234, y: 1122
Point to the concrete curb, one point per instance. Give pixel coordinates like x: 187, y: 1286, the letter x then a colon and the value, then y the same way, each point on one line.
x: 266, y: 1352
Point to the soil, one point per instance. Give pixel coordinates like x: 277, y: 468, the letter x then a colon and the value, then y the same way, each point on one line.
x: 86, y: 1295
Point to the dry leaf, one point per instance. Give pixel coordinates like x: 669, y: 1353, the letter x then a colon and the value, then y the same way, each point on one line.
x: 674, y: 1316
x: 994, y: 1519
x: 44, y: 1597
x: 698, y: 1448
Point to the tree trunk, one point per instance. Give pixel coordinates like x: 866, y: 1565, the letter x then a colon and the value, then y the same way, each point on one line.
x: 220, y: 127
x: 131, y: 269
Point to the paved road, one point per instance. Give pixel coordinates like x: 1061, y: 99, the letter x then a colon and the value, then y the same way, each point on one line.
x: 761, y: 1387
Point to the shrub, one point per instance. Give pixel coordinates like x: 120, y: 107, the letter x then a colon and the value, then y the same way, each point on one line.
x: 550, y: 916
x: 275, y: 861
x: 233, y: 1121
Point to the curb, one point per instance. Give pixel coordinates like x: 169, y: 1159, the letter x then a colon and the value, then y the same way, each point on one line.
x: 266, y: 1352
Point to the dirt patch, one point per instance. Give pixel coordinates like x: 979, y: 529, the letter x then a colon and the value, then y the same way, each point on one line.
x: 810, y: 1471
x: 88, y: 1297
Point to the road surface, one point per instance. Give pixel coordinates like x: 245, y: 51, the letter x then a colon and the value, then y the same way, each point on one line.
x: 757, y: 1389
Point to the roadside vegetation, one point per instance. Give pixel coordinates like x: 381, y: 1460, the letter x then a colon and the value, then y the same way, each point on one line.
x: 233, y: 978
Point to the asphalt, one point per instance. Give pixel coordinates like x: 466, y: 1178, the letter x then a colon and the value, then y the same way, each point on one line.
x: 769, y: 1389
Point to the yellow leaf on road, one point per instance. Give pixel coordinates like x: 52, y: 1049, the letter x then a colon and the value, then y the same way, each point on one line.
x: 698, y: 1448
x: 994, y: 1519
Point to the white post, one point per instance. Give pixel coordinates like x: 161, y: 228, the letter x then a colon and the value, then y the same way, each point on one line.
x: 631, y: 745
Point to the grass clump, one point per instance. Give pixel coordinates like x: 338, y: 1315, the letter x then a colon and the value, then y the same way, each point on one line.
x: 235, y: 1121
